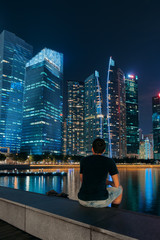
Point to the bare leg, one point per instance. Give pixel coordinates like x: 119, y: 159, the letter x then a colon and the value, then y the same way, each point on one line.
x: 119, y: 198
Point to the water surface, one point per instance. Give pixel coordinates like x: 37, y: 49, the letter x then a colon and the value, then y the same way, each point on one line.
x: 141, y: 187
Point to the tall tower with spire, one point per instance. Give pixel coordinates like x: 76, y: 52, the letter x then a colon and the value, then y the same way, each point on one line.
x: 116, y: 111
x: 92, y: 111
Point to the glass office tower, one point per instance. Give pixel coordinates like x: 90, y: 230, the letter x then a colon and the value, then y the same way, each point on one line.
x: 116, y: 111
x: 43, y: 101
x: 14, y: 54
x: 132, y: 122
x: 75, y: 127
x: 64, y: 136
x: 92, y: 111
x: 105, y: 134
x: 156, y: 125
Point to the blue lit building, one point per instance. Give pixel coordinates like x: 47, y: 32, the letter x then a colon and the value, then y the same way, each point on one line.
x: 14, y: 54
x: 156, y: 125
x: 43, y: 102
x: 93, y: 126
x: 132, y: 121
x: 75, y: 126
x: 116, y: 111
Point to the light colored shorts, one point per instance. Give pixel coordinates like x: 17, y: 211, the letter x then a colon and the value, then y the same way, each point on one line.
x: 113, y: 193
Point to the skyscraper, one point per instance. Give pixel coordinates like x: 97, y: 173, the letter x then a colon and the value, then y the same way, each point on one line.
x: 105, y: 134
x: 92, y: 111
x: 156, y: 125
x: 132, y: 122
x: 145, y: 149
x: 116, y: 111
x: 43, y: 100
x: 14, y: 53
x: 75, y: 127
x: 64, y: 136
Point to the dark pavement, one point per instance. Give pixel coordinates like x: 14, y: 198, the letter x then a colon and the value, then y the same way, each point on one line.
x: 8, y: 232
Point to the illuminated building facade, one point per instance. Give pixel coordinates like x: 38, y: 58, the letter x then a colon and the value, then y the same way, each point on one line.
x: 64, y: 136
x: 156, y: 125
x: 132, y: 121
x: 116, y: 111
x: 75, y: 126
x: 92, y: 111
x: 145, y: 149
x: 105, y: 134
x: 150, y: 138
x: 14, y: 53
x: 140, y: 134
x: 43, y: 102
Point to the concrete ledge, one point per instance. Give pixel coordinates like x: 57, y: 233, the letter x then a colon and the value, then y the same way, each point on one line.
x: 13, y: 213
x: 48, y: 226
x: 57, y: 218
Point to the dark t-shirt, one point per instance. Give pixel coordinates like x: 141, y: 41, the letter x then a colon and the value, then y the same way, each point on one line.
x: 95, y: 169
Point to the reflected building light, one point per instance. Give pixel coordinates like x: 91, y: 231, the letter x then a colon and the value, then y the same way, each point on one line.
x: 62, y: 183
x: 53, y: 182
x: 148, y: 188
x: 141, y: 189
x: 27, y: 183
x: 15, y: 182
x: 39, y: 181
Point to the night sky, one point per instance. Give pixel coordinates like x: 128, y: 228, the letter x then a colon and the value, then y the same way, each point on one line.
x: 88, y: 33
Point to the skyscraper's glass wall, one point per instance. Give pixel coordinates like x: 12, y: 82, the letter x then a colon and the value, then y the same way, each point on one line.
x: 156, y: 125
x: 43, y: 100
x: 132, y: 122
x: 92, y: 111
x: 14, y: 53
x: 75, y: 127
x: 116, y: 111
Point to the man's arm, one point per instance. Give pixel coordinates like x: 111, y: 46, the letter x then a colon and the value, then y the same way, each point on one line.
x: 81, y: 177
x: 115, y: 180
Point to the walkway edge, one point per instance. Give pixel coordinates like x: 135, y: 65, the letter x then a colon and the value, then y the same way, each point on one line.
x: 48, y: 226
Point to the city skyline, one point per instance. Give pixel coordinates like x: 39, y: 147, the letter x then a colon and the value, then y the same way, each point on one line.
x: 69, y: 27
x: 37, y: 86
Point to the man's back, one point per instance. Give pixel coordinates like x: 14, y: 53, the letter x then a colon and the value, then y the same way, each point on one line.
x: 95, y: 169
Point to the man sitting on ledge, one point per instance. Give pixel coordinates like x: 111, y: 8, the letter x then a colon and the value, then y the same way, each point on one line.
x: 93, y: 175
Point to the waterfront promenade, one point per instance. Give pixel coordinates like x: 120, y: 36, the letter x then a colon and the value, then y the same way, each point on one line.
x: 57, y: 218
x: 63, y: 166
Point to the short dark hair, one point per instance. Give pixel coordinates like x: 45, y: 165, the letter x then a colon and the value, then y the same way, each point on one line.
x: 99, y: 145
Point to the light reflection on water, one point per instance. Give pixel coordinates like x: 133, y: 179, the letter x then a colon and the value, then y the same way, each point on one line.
x: 141, y: 187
